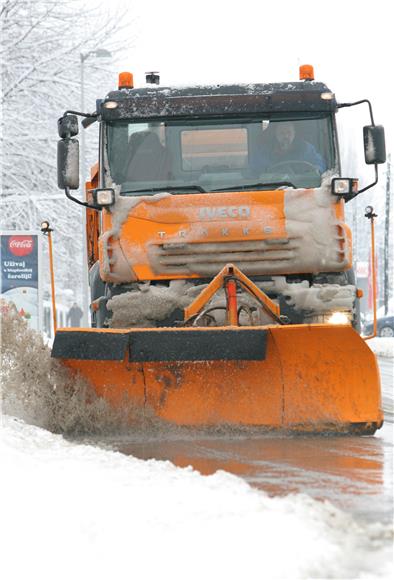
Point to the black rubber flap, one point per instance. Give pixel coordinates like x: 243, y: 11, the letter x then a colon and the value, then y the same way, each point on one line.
x: 90, y: 345
x: 165, y: 345
x: 194, y: 345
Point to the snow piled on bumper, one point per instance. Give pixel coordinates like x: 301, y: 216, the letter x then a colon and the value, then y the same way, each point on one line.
x: 76, y: 511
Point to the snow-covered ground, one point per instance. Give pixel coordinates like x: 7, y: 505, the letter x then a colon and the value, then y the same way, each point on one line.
x: 76, y: 511
x: 382, y: 346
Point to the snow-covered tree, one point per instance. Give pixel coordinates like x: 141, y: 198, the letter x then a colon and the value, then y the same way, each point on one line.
x: 42, y: 45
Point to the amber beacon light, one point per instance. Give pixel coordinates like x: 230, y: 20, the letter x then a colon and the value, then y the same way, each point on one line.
x: 306, y: 72
x: 125, y: 80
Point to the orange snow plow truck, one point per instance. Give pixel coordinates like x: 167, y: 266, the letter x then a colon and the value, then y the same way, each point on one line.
x: 220, y: 263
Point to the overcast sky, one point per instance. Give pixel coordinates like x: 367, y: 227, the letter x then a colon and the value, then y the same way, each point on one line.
x: 349, y: 42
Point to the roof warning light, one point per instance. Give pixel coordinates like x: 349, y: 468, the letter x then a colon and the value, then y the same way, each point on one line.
x: 307, y: 73
x: 126, y: 80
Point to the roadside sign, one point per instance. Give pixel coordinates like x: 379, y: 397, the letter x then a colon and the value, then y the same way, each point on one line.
x: 21, y: 280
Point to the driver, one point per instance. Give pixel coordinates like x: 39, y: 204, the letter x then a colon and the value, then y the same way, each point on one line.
x: 286, y: 147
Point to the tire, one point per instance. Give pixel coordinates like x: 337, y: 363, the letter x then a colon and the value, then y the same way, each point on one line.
x: 97, y: 289
x: 386, y: 331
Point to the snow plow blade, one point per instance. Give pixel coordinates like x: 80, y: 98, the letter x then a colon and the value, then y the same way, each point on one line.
x: 311, y: 378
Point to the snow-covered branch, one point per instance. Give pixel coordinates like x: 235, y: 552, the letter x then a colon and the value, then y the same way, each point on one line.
x: 41, y: 46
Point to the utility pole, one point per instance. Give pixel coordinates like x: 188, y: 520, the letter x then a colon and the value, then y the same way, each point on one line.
x: 84, y: 273
x: 99, y: 53
x: 386, y: 259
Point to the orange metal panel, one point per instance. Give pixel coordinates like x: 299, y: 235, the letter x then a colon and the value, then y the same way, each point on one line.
x: 219, y: 392
x: 314, y: 378
x: 329, y: 375
x: 116, y: 381
x: 176, y: 219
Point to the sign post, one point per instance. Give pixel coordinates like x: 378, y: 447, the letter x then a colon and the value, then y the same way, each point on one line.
x: 21, y: 269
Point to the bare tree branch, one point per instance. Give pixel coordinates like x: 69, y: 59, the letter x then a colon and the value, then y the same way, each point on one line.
x: 40, y: 52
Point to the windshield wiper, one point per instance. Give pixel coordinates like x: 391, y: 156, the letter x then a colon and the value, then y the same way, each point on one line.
x: 182, y: 188
x: 257, y: 185
x: 165, y: 188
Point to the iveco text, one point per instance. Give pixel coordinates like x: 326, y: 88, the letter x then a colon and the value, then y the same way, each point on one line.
x: 232, y: 211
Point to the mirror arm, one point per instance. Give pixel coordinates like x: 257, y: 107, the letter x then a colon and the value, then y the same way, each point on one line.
x: 366, y: 187
x: 79, y: 202
x: 371, y: 184
x: 341, y: 105
x: 89, y: 118
x: 78, y: 113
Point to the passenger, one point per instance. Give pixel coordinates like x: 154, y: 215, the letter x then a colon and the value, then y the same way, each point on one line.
x: 285, y: 147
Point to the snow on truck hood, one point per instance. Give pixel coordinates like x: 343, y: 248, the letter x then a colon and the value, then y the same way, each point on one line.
x: 301, y: 222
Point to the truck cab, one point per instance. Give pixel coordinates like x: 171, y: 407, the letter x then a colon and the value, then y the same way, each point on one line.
x: 190, y: 179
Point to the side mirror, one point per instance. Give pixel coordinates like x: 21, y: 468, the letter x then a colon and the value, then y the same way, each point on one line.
x: 67, y: 126
x: 68, y: 164
x: 374, y: 144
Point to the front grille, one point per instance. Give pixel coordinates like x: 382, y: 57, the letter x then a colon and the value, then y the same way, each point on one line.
x: 207, y: 259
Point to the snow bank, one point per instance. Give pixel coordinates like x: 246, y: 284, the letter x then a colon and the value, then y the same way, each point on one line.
x: 75, y: 511
x: 382, y: 346
x: 39, y: 390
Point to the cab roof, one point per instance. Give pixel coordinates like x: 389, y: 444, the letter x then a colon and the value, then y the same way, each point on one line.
x: 217, y: 100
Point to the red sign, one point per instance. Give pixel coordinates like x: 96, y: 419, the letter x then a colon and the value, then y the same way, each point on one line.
x: 21, y: 245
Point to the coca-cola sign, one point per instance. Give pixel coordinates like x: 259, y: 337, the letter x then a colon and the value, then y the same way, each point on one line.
x: 20, y: 245
x: 20, y: 274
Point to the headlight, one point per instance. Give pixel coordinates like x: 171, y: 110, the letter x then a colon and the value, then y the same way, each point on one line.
x: 104, y: 197
x: 344, y: 186
x: 339, y: 318
x: 110, y: 105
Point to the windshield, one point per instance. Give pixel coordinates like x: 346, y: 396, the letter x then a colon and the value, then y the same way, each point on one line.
x: 219, y: 155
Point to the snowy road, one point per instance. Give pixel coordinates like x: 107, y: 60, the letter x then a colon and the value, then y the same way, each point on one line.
x: 354, y: 473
